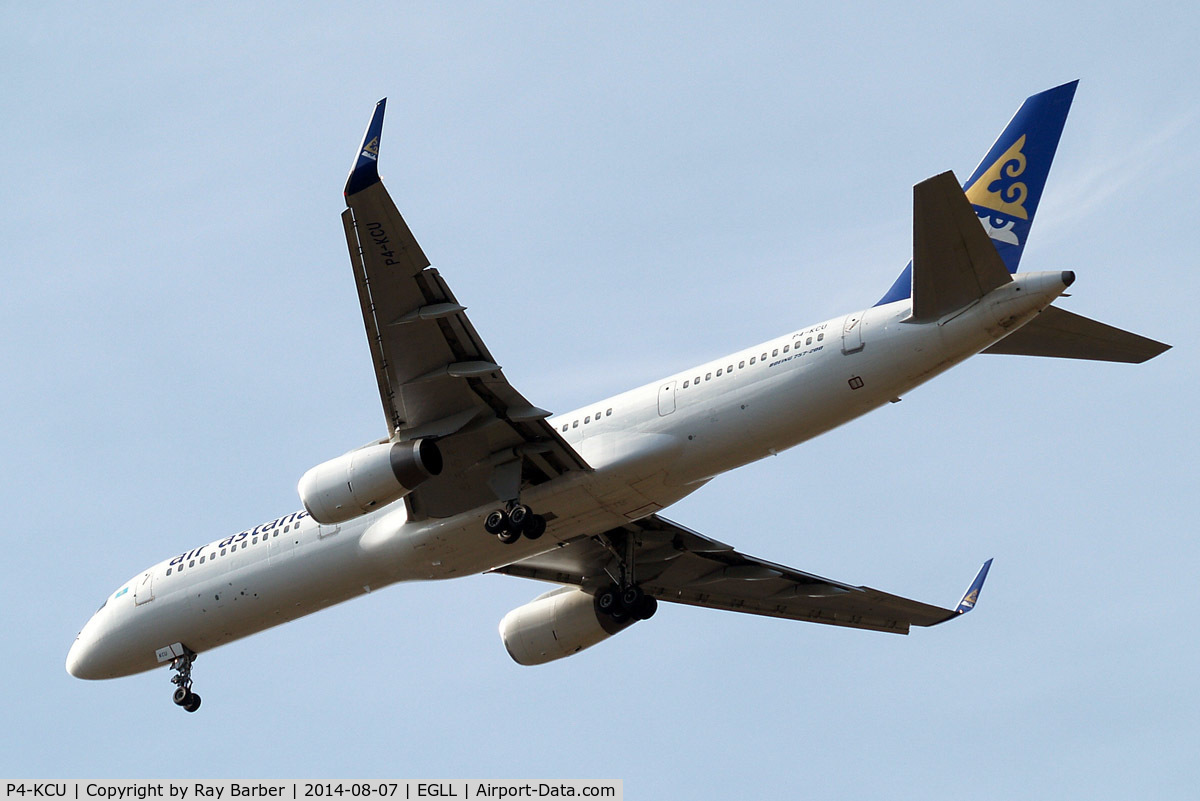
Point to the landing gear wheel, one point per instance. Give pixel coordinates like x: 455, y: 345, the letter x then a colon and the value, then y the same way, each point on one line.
x: 535, y: 526
x: 496, y: 523
x: 519, y: 516
x: 180, y: 696
x: 631, y: 599
x: 193, y: 702
x: 509, y: 535
x: 608, y: 600
x: 647, y: 607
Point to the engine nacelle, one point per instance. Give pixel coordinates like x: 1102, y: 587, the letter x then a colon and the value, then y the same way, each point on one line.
x: 562, y: 622
x: 363, y: 480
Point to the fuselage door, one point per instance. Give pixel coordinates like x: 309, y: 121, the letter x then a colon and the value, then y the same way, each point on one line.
x: 852, y: 340
x: 143, y: 591
x: 666, y: 398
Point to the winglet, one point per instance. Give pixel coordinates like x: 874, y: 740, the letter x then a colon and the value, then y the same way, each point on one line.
x: 365, y: 171
x: 972, y: 594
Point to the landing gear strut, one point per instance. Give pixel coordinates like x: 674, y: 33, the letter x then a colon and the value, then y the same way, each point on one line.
x: 509, y: 524
x: 183, y: 695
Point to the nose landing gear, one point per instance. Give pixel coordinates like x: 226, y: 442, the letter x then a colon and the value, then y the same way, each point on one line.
x: 509, y: 524
x: 183, y: 695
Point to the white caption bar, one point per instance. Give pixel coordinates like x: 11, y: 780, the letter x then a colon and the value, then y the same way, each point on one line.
x: 308, y: 791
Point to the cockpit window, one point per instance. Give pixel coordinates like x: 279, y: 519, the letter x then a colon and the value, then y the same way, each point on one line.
x: 102, y: 605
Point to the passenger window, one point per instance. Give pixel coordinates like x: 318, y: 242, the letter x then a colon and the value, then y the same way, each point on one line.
x: 222, y: 552
x: 276, y: 534
x: 565, y: 426
x: 785, y: 348
x: 808, y: 341
x: 608, y: 413
x: 764, y: 357
x: 201, y: 560
x: 752, y: 360
x: 729, y: 369
x: 697, y: 381
x: 775, y: 352
x: 719, y: 373
x: 168, y: 573
x: 820, y: 337
x: 575, y: 424
x: 708, y: 376
x: 192, y: 563
x: 587, y: 419
x: 685, y: 384
x: 741, y: 365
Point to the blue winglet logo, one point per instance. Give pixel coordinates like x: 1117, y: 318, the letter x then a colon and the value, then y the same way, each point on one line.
x: 971, y: 597
x: 365, y: 171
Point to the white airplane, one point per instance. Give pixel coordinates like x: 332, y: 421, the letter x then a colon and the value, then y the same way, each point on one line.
x: 473, y: 478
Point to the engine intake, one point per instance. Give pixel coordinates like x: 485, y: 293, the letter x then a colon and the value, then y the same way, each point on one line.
x: 562, y: 622
x: 365, y: 479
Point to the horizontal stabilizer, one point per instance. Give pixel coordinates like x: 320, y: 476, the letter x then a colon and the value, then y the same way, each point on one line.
x: 1057, y: 332
x: 954, y: 260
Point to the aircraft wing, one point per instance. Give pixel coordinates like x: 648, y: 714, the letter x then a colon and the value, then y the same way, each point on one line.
x: 436, y: 376
x: 674, y: 563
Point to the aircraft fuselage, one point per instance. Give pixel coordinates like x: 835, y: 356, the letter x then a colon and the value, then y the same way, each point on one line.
x: 648, y: 448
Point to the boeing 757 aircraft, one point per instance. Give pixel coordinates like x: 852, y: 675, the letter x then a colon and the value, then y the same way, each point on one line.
x: 471, y: 477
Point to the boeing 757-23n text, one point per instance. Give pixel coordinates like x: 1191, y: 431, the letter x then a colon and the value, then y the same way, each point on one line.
x: 471, y: 477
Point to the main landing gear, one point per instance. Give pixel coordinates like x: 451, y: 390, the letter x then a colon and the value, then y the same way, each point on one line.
x: 509, y: 524
x: 630, y: 603
x: 183, y: 695
x: 623, y: 599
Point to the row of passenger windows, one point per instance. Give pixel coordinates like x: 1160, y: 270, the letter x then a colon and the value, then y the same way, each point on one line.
x: 753, y: 360
x: 588, y: 419
x: 707, y: 377
x: 230, y: 548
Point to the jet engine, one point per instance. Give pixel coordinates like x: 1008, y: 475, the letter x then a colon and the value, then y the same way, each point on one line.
x: 562, y: 622
x: 365, y: 479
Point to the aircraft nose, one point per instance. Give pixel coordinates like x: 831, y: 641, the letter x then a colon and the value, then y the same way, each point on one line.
x: 76, y: 662
x: 81, y: 659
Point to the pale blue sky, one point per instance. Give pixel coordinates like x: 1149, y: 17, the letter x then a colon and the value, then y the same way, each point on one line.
x: 617, y: 191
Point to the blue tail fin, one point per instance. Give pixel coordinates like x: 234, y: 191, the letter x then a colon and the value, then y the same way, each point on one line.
x: 1007, y: 185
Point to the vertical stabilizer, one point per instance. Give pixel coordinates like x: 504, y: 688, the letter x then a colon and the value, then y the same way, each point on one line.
x: 1006, y: 187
